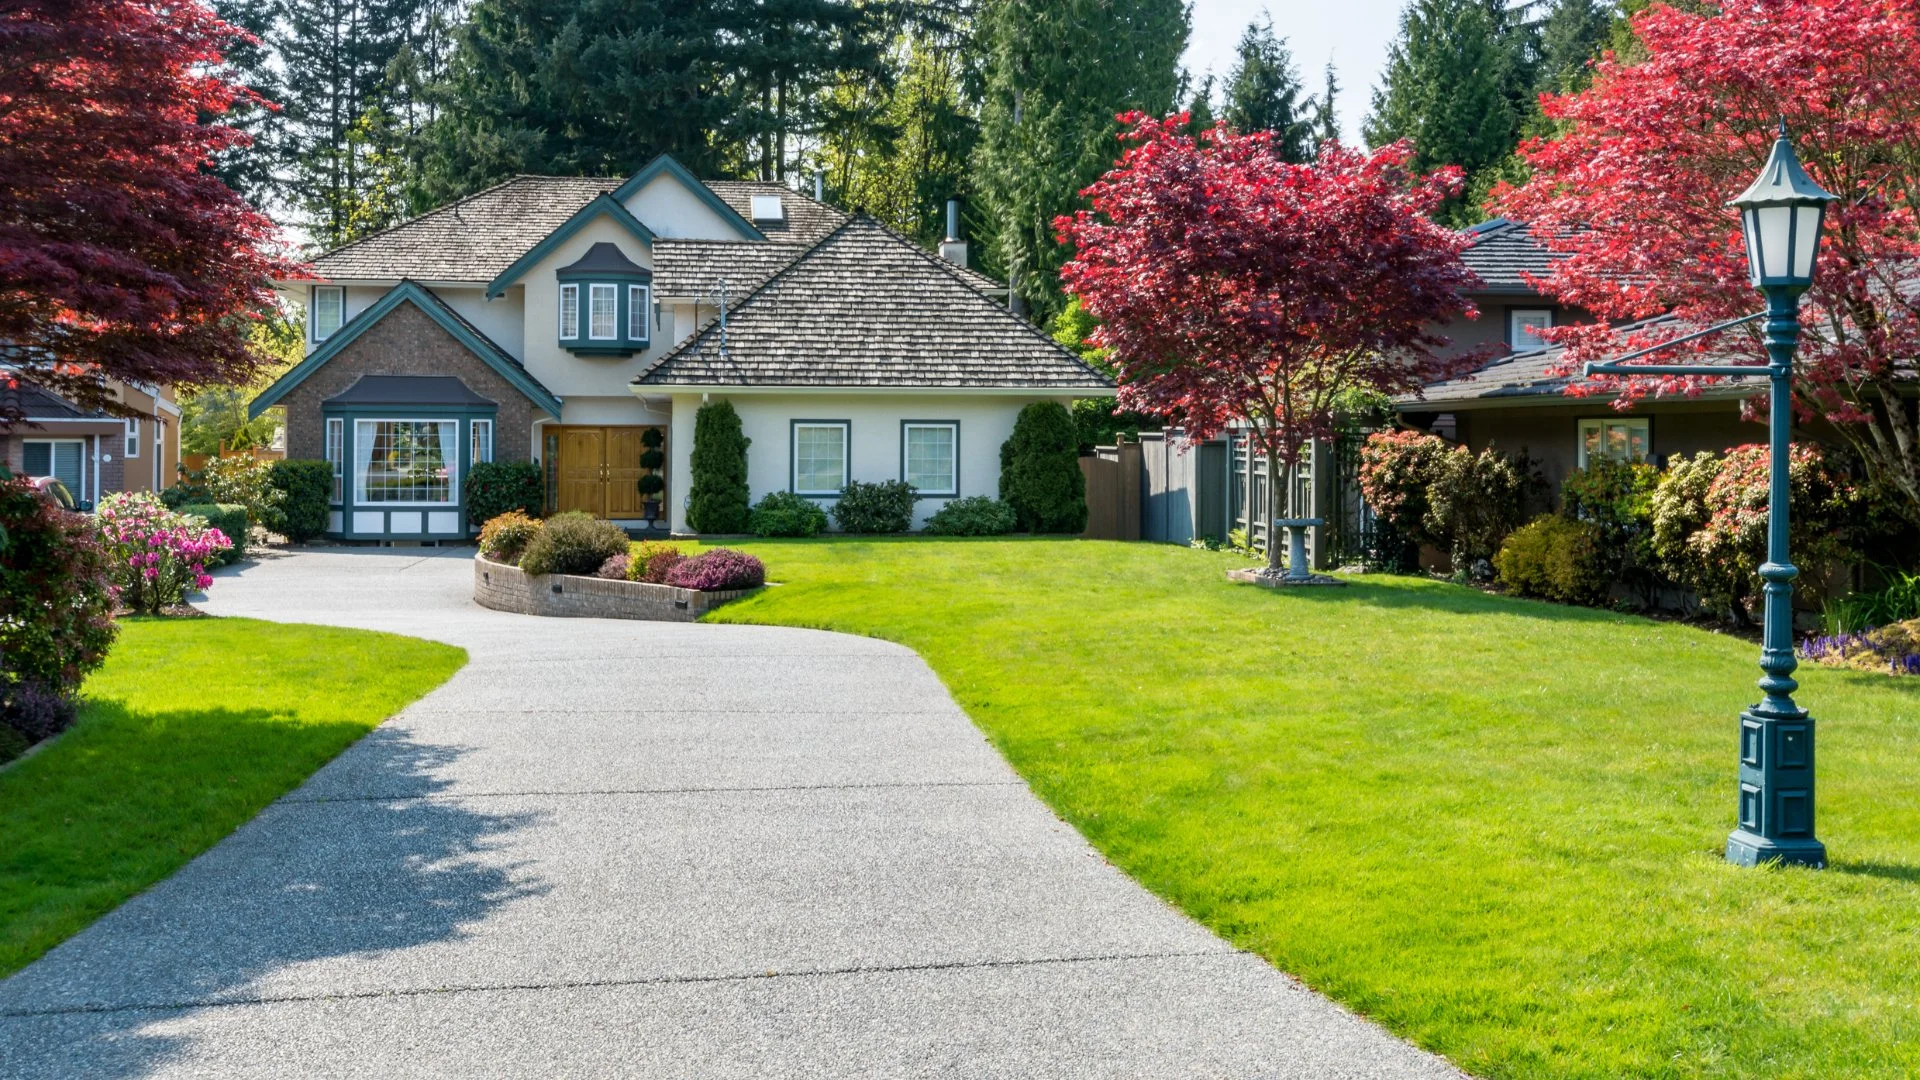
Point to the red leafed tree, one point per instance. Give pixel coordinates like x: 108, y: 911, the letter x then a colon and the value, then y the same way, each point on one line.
x: 1235, y: 287
x: 1635, y: 188
x: 120, y: 255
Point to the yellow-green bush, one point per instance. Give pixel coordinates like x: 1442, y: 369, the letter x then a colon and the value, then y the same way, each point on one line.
x: 1555, y: 559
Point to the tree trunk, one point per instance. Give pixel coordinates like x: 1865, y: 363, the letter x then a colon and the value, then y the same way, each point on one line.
x: 1276, y: 503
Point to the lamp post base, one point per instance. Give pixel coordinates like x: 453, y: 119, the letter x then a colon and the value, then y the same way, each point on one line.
x: 1752, y: 849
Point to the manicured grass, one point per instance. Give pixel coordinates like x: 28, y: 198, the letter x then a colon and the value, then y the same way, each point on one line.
x: 189, y: 730
x: 1494, y: 825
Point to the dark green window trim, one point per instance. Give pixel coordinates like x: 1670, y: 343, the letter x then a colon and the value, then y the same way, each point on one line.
x: 464, y: 415
x: 793, y: 456
x: 621, y: 343
x: 949, y: 493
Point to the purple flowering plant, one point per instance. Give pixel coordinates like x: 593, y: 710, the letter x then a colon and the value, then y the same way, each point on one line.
x: 155, y: 554
x: 1894, y: 648
x: 717, y: 569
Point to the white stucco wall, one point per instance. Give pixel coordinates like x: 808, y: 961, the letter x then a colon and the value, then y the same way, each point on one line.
x: 874, y: 438
x: 670, y: 208
x: 560, y: 371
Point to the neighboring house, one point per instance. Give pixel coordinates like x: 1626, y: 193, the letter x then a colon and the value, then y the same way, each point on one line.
x: 558, y: 319
x: 1513, y: 404
x: 92, y: 453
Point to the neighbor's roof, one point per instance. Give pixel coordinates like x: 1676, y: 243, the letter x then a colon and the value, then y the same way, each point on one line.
x: 1503, y: 252
x: 477, y: 238
x: 1526, y: 375
x: 867, y: 307
x: 26, y: 400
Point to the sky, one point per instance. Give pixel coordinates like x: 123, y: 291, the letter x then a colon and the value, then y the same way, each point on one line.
x: 1354, y: 34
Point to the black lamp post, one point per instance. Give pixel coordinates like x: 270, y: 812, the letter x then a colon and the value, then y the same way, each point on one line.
x: 1781, y: 214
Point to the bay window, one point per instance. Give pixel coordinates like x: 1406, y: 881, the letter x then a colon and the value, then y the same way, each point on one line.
x: 336, y: 452
x: 569, y: 312
x: 406, y: 462
x: 481, y: 451
x: 601, y: 320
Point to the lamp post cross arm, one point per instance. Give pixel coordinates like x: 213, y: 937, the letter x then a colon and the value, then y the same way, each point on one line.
x: 1619, y: 366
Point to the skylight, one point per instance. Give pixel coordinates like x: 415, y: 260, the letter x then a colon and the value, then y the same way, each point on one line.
x: 768, y: 208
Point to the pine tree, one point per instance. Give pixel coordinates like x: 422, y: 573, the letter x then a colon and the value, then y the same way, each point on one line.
x: 1326, y: 124
x: 1055, y: 74
x: 1263, y: 93
x: 1570, y: 39
x: 1199, y: 105
x: 253, y: 170
x: 1452, y: 84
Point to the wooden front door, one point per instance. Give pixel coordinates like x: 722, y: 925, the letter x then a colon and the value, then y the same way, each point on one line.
x: 623, y: 472
x: 582, y: 470
x: 599, y: 471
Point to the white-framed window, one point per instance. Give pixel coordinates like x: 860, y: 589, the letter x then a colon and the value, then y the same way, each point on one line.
x: 63, y: 459
x: 930, y: 456
x: 602, y: 305
x: 337, y: 453
x: 1621, y: 439
x: 481, y: 432
x: 637, y: 312
x: 819, y: 456
x: 133, y: 437
x: 569, y: 311
x: 1524, y: 326
x: 329, y: 310
x: 405, y: 462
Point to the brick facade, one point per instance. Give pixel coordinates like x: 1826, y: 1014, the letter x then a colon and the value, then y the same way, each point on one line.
x: 504, y: 587
x: 407, y: 342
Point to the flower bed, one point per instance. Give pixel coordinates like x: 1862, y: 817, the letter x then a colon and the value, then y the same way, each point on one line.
x: 505, y: 587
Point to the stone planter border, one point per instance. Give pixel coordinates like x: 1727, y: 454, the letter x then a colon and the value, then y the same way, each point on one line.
x: 504, y: 587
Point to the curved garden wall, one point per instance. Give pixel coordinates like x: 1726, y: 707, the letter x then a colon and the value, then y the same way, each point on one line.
x: 505, y: 587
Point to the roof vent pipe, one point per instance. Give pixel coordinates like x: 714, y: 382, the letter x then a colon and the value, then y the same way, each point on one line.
x: 953, y: 249
x: 819, y: 185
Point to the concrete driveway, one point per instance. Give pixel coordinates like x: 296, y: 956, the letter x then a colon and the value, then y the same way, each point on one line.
x: 635, y: 849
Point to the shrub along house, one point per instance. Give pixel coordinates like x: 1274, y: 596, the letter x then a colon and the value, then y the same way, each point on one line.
x: 1511, y: 403
x: 578, y: 323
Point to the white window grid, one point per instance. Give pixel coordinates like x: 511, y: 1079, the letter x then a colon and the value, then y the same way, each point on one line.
x: 638, y: 312
x: 329, y: 310
x: 819, y: 458
x: 405, y: 462
x: 569, y: 311
x: 1522, y: 323
x: 337, y: 454
x: 930, y: 457
x: 602, y: 311
x: 66, y: 461
x: 1622, y: 439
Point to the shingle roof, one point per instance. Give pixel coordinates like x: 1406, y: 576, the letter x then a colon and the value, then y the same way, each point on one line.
x: 26, y: 400
x: 695, y: 267
x: 1503, y: 251
x: 478, y: 237
x: 1526, y: 375
x: 868, y: 307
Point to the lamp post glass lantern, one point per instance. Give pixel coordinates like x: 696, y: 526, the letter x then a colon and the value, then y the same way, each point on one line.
x: 1780, y: 214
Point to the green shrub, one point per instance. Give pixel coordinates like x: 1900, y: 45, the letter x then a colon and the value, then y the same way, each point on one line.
x: 652, y: 485
x: 1040, y: 473
x: 187, y: 492
x: 1397, y: 470
x: 495, y: 487
x: 885, y: 507
x: 975, y: 515
x: 646, y: 553
x: 718, y: 497
x: 652, y: 439
x: 506, y: 537
x: 782, y: 513
x: 1556, y: 558
x: 652, y: 458
x: 573, y: 543
x: 1616, y: 498
x: 1896, y: 601
x: 304, y: 488
x: 231, y: 520
x: 1476, y: 500
x: 56, y: 587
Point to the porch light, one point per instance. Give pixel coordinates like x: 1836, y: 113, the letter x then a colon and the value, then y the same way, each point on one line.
x: 1781, y: 214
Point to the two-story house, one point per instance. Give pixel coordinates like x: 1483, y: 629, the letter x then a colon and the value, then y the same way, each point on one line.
x: 92, y: 453
x: 1512, y: 402
x: 580, y: 323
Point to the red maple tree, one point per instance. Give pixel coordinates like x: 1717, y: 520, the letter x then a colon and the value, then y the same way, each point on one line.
x: 1235, y: 287
x: 121, y: 256
x: 1634, y: 188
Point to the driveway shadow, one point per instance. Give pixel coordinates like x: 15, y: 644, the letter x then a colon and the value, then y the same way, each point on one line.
x: 310, y: 899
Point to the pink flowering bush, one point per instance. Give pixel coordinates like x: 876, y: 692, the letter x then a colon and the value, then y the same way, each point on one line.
x: 717, y: 569
x: 156, y: 555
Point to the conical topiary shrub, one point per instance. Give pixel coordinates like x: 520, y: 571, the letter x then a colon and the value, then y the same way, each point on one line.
x: 1040, y: 471
x: 717, y: 500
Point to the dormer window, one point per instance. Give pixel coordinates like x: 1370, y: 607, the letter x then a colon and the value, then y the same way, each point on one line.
x: 606, y: 302
x: 329, y: 310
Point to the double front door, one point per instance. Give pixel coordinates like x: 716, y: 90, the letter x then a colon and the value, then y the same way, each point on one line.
x: 599, y: 470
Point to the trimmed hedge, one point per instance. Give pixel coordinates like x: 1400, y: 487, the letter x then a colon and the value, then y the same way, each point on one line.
x: 231, y: 520
x: 718, y: 498
x: 573, y: 543
x: 1040, y: 473
x: 883, y: 507
x: 782, y: 513
x: 496, y: 487
x: 975, y: 515
x: 305, y: 486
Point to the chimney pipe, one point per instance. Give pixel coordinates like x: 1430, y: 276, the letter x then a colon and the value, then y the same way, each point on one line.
x: 819, y: 185
x: 953, y: 249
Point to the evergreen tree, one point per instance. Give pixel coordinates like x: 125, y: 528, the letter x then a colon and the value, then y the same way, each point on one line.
x: 254, y: 170
x: 782, y: 56
x: 1263, y: 93
x: 1454, y: 83
x: 1055, y: 73
x: 1199, y: 105
x: 717, y: 500
x: 1040, y: 473
x: 1570, y: 38
x: 1326, y: 125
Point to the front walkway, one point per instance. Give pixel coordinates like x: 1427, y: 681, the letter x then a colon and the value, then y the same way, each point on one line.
x: 632, y: 849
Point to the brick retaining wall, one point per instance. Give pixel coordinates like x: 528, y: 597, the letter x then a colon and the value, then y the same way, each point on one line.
x: 503, y: 587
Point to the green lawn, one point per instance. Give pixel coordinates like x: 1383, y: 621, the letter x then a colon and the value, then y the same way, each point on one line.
x: 1494, y: 825
x: 189, y: 730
